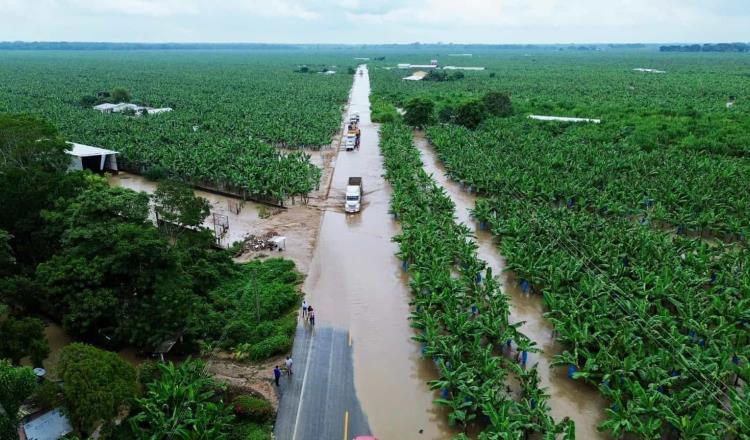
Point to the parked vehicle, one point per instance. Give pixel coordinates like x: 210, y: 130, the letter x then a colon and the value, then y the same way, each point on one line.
x: 353, y: 201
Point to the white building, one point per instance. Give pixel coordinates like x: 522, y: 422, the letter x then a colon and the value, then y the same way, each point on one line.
x: 564, y: 119
x: 125, y: 106
x: 462, y: 68
x: 86, y: 157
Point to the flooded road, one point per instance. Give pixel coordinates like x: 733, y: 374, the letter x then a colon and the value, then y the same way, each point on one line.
x: 355, y: 283
x: 568, y: 398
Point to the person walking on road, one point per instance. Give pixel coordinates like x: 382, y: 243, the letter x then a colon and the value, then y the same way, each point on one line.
x: 304, y: 308
x: 289, y: 363
x: 276, y: 375
x: 311, y: 315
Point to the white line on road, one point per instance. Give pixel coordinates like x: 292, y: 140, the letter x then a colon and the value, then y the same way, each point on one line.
x: 304, y: 380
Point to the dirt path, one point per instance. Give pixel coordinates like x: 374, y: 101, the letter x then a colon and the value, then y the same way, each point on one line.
x: 582, y: 403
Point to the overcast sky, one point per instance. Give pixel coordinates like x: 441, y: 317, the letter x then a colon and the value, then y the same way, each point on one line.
x: 376, y: 21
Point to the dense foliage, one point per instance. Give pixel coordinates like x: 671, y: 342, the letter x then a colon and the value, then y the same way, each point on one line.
x: 685, y: 108
x: 634, y: 231
x: 16, y: 384
x: 253, y: 311
x: 183, y: 402
x: 462, y: 321
x: 228, y: 106
x: 96, y: 384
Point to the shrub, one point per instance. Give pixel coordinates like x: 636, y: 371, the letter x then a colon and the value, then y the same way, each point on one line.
x: 276, y: 344
x: 148, y: 372
x: 253, y: 408
x: 155, y: 173
x: 250, y: 431
x: 237, y: 332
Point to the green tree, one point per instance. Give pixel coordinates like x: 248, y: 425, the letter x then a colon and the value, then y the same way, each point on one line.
x: 16, y: 385
x: 471, y: 113
x: 456, y: 76
x: 120, y: 94
x: 419, y: 112
x: 32, y: 173
x: 498, y: 104
x: 96, y: 384
x: 177, y: 207
x: 185, y: 402
x: 437, y: 75
x: 116, y: 276
x: 23, y: 337
x: 88, y: 101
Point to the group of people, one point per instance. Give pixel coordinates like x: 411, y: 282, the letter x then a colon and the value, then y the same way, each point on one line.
x: 308, y: 313
x: 277, y: 371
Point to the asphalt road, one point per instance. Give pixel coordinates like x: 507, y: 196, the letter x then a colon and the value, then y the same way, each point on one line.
x: 318, y: 401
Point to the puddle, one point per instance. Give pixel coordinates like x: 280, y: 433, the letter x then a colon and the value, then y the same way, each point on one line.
x: 568, y: 398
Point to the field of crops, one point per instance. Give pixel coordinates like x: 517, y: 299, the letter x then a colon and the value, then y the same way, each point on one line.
x: 228, y: 108
x: 461, y: 320
x: 633, y: 231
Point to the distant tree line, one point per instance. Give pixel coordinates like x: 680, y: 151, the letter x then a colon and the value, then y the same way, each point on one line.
x: 720, y: 47
x: 65, y: 45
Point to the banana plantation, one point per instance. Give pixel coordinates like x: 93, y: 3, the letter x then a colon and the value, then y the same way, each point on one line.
x: 230, y: 109
x: 460, y: 312
x: 632, y: 233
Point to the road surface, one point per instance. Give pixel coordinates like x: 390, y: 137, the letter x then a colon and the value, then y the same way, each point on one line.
x: 360, y: 293
x: 318, y: 401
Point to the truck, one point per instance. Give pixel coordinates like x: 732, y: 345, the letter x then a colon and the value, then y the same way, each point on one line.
x: 350, y: 142
x: 353, y: 201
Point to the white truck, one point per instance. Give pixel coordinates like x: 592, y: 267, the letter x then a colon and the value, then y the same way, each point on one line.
x: 353, y: 201
x: 350, y: 142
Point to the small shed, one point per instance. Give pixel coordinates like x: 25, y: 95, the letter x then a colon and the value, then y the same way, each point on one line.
x: 86, y: 157
x: 48, y: 426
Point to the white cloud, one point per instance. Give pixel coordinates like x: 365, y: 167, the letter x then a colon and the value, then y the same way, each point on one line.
x: 373, y: 21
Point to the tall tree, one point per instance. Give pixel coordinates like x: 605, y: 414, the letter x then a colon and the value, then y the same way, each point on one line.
x: 23, y: 337
x: 178, y: 208
x: 120, y: 94
x: 116, y: 277
x: 419, y: 112
x: 16, y: 385
x: 96, y: 384
x: 32, y: 172
x: 498, y: 104
x: 470, y: 114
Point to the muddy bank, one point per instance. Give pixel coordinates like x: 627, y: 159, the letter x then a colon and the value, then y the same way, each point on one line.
x: 568, y: 398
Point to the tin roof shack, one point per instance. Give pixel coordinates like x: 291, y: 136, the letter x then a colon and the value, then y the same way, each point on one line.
x: 86, y: 157
x: 48, y: 426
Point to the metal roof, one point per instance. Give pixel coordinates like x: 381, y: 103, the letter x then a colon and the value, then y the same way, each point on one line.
x: 49, y: 426
x: 81, y: 150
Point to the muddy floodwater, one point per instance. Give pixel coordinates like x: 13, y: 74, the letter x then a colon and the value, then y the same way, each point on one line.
x: 580, y: 402
x: 355, y: 283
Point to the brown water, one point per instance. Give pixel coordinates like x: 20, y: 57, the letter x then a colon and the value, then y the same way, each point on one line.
x: 582, y: 403
x: 355, y: 283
